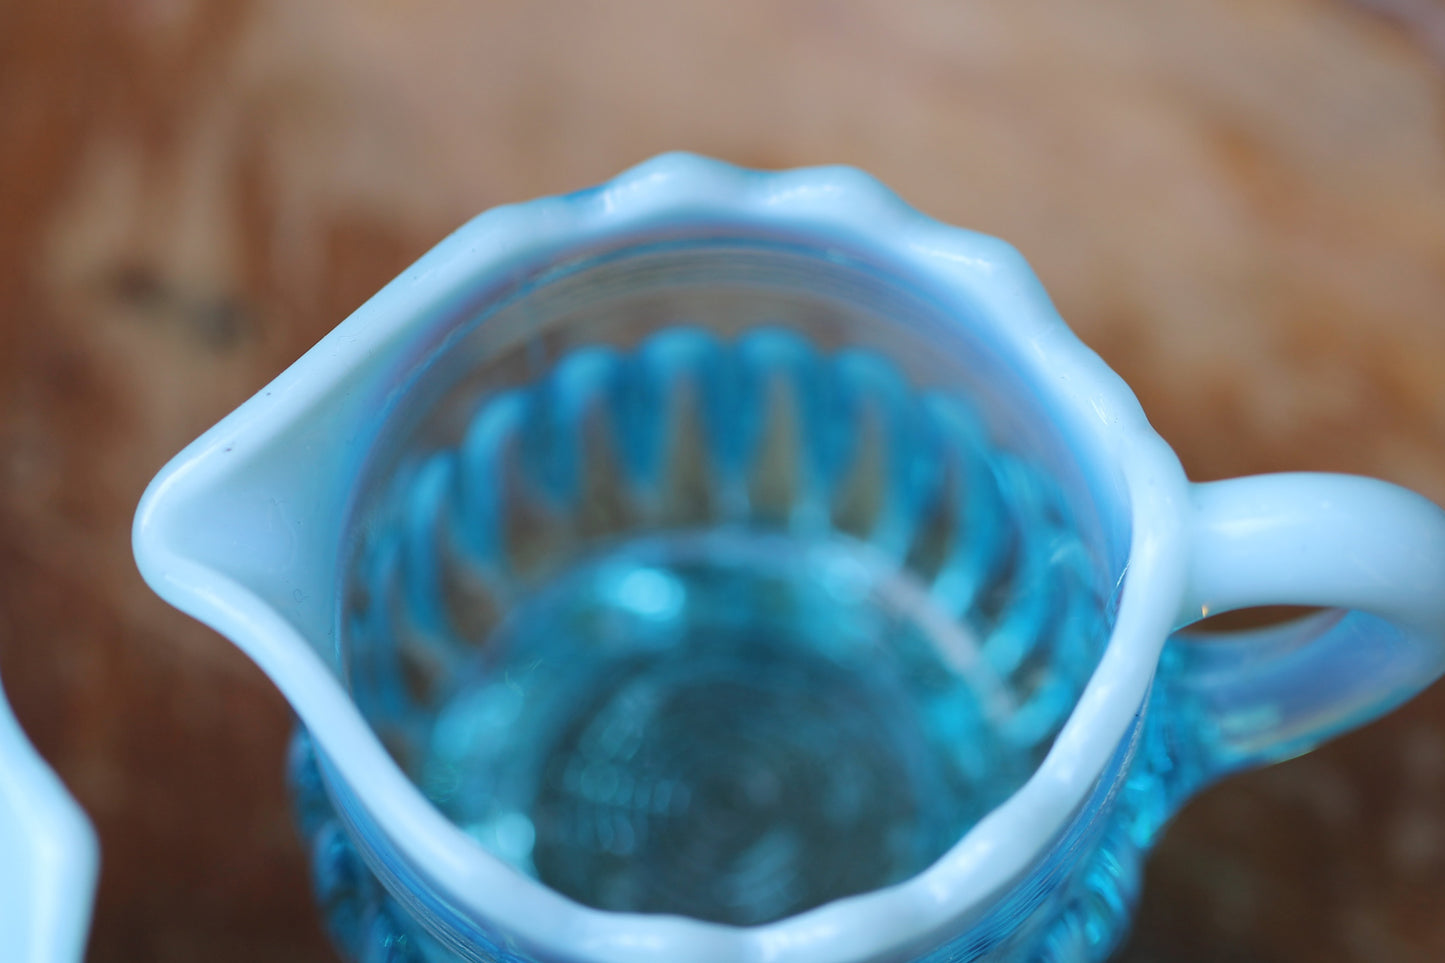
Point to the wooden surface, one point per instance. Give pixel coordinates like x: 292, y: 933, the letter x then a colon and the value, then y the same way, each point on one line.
x: 1239, y: 203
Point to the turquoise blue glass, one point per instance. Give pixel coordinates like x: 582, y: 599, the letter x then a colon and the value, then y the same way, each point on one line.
x: 726, y: 629
x: 727, y: 566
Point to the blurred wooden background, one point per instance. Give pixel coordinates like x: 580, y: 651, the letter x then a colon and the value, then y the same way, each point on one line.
x: 1239, y: 203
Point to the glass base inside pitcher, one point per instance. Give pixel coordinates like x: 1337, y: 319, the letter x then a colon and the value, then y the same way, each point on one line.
x: 732, y: 725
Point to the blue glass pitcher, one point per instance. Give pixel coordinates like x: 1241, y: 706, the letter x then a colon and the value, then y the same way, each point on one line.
x: 722, y: 566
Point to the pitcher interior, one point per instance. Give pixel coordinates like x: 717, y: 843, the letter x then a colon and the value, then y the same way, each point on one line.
x: 721, y: 578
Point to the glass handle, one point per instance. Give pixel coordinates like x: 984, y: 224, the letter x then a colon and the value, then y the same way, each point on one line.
x: 1371, y: 553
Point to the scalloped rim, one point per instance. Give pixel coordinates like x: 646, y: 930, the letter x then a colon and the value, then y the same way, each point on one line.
x: 673, y: 191
x: 48, y: 887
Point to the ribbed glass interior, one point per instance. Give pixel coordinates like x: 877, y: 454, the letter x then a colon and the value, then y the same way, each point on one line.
x: 721, y: 579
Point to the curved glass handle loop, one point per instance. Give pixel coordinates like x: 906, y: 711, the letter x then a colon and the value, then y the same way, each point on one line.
x: 1371, y: 553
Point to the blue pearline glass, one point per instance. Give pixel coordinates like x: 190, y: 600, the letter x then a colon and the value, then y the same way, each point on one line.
x: 255, y: 527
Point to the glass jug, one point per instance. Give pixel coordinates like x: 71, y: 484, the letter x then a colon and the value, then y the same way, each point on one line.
x: 719, y: 565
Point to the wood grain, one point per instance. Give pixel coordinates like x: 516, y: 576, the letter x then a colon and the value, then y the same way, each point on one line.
x: 1239, y: 203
